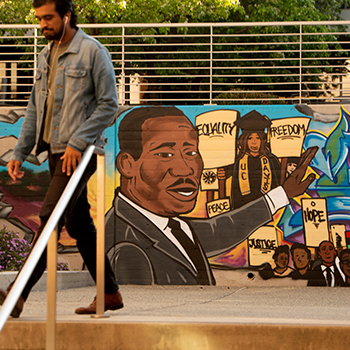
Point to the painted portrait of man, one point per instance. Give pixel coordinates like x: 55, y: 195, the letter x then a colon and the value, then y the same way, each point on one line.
x: 147, y: 238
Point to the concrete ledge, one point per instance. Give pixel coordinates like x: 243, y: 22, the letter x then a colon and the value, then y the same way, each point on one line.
x: 86, y: 334
x: 236, y: 278
x: 65, y: 280
x: 251, y: 278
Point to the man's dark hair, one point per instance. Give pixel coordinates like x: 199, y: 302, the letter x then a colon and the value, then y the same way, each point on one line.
x: 300, y: 246
x: 279, y: 250
x: 62, y: 7
x: 344, y: 251
x: 130, y: 128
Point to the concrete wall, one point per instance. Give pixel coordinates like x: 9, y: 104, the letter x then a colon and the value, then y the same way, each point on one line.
x: 220, y: 193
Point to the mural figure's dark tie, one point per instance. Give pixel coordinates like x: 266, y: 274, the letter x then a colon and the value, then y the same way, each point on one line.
x: 191, y: 249
x: 329, y: 276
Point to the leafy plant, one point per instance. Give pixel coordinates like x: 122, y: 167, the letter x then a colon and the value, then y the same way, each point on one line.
x: 62, y: 266
x: 14, y: 251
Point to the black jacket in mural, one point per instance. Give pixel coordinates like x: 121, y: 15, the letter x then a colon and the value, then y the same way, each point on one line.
x: 257, y: 183
x: 141, y: 254
x: 317, y: 278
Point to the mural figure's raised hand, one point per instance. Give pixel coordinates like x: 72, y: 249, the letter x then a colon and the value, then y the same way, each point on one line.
x: 294, y: 186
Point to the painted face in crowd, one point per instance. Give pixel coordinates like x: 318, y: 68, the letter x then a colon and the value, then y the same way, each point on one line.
x: 300, y: 258
x: 254, y: 143
x: 345, y: 264
x: 291, y: 167
x: 282, y: 260
x: 327, y: 253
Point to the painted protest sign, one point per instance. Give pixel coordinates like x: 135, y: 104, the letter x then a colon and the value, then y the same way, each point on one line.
x: 287, y: 136
x: 218, y: 207
x: 261, y: 245
x: 209, y: 180
x: 217, y: 137
x: 338, y: 235
x: 315, y: 221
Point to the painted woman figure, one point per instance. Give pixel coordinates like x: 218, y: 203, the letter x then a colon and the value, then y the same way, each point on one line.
x: 281, y: 258
x: 281, y: 269
x: 256, y: 170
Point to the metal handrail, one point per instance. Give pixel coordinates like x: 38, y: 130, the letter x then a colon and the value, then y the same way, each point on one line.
x: 44, y: 239
x: 314, y: 64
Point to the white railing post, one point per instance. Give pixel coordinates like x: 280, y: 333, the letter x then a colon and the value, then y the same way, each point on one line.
x: 123, y: 68
x: 300, y: 60
x: 35, y: 52
x: 211, y: 66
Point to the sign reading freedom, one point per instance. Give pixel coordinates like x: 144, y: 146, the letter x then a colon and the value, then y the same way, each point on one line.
x: 287, y: 136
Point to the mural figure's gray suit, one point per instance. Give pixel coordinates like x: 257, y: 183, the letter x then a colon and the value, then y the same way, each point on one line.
x: 142, y: 254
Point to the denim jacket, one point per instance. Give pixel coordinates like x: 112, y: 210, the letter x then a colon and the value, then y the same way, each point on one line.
x: 85, y: 99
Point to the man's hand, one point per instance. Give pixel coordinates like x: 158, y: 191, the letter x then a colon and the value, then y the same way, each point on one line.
x: 71, y: 159
x: 13, y: 170
x: 293, y: 185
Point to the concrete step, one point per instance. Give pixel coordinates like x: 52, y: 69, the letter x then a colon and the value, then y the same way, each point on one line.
x: 191, y: 318
x: 181, y: 333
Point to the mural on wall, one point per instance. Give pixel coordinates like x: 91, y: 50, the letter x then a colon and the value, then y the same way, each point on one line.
x: 197, y: 190
x: 166, y: 197
x: 14, y: 214
x: 21, y: 200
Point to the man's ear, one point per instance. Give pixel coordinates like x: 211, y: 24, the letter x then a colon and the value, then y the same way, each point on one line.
x: 124, y: 163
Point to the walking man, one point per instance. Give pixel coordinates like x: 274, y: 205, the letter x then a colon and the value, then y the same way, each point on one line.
x: 73, y: 100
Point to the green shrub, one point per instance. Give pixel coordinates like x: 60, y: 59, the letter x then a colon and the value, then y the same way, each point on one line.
x: 246, y: 97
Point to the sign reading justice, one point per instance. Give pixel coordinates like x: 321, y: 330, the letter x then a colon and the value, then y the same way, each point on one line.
x: 261, y: 245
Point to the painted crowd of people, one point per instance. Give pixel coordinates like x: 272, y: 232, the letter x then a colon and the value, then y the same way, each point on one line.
x: 329, y: 267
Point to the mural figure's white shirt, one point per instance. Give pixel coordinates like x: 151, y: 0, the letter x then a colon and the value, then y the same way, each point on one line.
x: 162, y: 224
x: 276, y: 199
x: 337, y: 263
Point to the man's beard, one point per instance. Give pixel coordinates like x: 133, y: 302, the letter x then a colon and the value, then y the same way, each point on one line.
x: 52, y: 35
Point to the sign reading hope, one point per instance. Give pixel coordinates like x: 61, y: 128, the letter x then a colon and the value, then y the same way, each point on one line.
x: 315, y: 221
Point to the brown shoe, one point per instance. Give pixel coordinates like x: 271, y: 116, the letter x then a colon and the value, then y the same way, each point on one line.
x: 112, y: 302
x: 18, y: 307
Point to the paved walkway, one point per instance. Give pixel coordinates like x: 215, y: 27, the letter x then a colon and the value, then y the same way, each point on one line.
x: 293, y: 305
